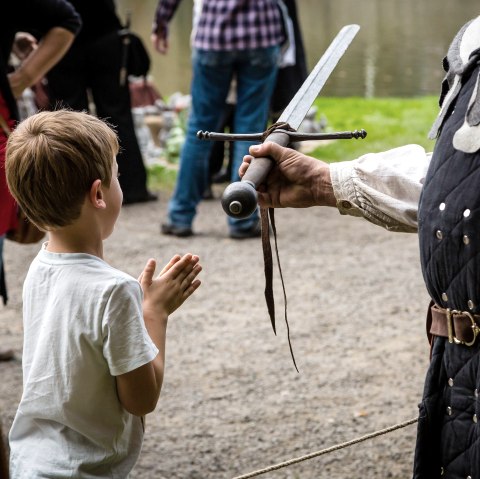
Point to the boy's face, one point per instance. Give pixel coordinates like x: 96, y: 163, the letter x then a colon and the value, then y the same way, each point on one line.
x: 113, y: 198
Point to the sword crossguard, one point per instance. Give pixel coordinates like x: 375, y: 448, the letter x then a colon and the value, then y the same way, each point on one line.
x: 293, y: 135
x: 239, y: 199
x: 214, y: 136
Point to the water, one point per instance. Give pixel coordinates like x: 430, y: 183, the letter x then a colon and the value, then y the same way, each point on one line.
x: 397, y: 52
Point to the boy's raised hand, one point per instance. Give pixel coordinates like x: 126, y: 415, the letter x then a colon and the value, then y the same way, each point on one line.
x: 172, y: 286
x: 138, y: 390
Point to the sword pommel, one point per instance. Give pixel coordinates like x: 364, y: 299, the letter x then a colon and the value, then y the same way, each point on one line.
x: 239, y: 200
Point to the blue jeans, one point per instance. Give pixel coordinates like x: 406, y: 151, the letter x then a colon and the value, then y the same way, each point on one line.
x: 255, y: 72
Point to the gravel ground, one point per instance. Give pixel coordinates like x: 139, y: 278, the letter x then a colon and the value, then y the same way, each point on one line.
x: 232, y: 402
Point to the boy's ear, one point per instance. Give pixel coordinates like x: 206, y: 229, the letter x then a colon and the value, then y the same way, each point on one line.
x: 95, y: 195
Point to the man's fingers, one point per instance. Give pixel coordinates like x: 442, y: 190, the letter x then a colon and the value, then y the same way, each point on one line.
x: 266, y: 149
x: 247, y: 159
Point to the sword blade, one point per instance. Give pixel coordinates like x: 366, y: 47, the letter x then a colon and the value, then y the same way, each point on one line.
x: 239, y: 199
x: 298, y: 107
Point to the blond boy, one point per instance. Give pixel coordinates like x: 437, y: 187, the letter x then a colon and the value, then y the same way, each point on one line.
x: 94, y: 337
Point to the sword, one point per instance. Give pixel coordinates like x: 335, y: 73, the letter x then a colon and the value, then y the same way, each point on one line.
x: 239, y: 199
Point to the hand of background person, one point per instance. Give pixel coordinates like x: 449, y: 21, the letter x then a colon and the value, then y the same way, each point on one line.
x: 50, y: 50
x: 24, y: 44
x: 160, y: 43
x: 171, y: 287
x: 296, y: 180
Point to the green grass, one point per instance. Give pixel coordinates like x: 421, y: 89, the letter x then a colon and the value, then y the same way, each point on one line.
x: 389, y: 122
x: 161, y: 178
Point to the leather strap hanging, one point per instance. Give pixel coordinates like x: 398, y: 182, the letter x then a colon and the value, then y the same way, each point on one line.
x: 267, y: 217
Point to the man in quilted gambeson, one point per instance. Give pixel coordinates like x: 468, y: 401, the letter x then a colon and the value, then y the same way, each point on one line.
x: 438, y: 195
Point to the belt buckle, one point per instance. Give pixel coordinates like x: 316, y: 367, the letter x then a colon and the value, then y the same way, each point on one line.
x: 451, y: 337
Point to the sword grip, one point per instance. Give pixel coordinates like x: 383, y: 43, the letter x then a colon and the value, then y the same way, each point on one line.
x: 239, y: 200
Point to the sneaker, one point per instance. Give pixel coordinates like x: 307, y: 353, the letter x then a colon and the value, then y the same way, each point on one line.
x: 180, y: 231
x: 255, y: 231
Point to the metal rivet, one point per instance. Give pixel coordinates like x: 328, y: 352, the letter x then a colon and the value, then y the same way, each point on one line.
x: 469, y: 477
x: 441, y: 471
x: 439, y: 234
x: 449, y: 410
x: 466, y: 213
x: 475, y: 418
x: 346, y: 204
x: 450, y: 382
x: 444, y: 296
x: 442, y: 206
x: 470, y: 304
x: 466, y: 239
x: 235, y: 207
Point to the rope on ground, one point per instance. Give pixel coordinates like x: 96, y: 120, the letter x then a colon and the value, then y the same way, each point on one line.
x: 329, y: 449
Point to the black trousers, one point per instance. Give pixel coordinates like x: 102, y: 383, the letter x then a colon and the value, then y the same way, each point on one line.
x: 291, y: 78
x: 95, y: 66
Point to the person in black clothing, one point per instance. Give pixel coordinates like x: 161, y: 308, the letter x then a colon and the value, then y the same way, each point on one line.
x: 54, y: 23
x: 290, y: 78
x: 93, y: 63
x: 437, y: 195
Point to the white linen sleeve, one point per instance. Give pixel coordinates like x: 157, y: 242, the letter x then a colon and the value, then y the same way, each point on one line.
x: 384, y: 188
x: 127, y: 344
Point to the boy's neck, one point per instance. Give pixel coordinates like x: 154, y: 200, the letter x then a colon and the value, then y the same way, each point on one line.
x: 86, y: 233
x: 71, y: 239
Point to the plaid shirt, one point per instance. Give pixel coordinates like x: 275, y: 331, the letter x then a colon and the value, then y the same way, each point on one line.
x: 229, y: 24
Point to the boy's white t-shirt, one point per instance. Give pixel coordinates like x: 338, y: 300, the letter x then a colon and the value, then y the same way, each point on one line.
x: 83, y: 325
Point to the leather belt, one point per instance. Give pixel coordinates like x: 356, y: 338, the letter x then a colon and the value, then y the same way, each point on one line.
x: 460, y: 327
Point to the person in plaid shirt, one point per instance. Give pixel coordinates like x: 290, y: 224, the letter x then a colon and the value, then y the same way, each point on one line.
x: 240, y: 38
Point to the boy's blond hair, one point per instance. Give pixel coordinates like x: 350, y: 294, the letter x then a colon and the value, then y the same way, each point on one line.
x: 52, y: 160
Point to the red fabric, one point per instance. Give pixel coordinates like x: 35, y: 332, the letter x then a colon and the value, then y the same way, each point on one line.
x: 8, y: 206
